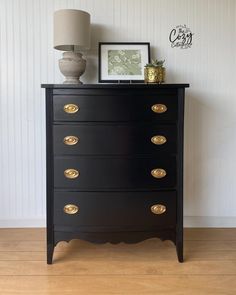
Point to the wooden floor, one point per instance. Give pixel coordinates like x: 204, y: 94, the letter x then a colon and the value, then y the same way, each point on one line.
x: 149, y: 267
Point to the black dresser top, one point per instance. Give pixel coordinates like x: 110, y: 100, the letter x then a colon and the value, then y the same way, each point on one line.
x: 112, y: 85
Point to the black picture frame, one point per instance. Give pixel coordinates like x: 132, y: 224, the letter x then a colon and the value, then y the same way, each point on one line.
x: 143, y: 55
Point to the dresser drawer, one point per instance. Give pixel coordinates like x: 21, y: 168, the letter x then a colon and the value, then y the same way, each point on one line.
x: 115, y: 108
x: 101, y: 173
x: 115, y: 209
x: 114, y: 139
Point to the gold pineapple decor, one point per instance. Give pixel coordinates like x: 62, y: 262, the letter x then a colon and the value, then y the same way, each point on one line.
x: 154, y: 72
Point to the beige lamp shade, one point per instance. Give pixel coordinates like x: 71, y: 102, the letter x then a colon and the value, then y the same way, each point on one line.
x: 71, y: 30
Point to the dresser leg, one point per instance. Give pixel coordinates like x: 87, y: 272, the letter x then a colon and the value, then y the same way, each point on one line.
x: 179, y: 249
x: 50, y: 249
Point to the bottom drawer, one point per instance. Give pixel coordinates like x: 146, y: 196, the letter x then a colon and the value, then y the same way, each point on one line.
x: 122, y: 210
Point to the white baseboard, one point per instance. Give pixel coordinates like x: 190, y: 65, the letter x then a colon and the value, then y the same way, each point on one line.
x: 209, y: 221
x: 16, y: 223
x: 189, y: 221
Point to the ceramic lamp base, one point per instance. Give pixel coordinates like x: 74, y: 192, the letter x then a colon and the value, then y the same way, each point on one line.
x: 72, y: 66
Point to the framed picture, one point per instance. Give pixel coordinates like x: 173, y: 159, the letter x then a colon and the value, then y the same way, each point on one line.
x: 122, y: 61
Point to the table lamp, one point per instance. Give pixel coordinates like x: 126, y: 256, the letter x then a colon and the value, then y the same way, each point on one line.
x: 72, y: 34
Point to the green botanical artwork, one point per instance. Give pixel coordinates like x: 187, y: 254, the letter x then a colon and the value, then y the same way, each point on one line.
x: 124, y: 62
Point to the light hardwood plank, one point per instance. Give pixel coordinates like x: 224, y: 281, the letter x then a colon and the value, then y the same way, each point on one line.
x: 23, y: 256
x: 22, y: 234
x: 149, y: 267
x: 139, y: 284
x: 108, y: 266
x: 210, y: 234
x: 148, y: 245
x: 74, y: 255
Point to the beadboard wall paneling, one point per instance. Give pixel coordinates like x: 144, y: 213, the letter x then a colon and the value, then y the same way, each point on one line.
x: 27, y: 59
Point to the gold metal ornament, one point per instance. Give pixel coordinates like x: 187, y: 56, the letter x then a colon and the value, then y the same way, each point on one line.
x: 158, y: 209
x: 71, y: 140
x: 71, y: 173
x: 159, y: 108
x: 154, y: 74
x: 70, y: 209
x: 71, y: 108
x: 158, y: 173
x: 158, y: 139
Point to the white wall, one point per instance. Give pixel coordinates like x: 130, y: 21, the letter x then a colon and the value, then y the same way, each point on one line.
x: 27, y: 59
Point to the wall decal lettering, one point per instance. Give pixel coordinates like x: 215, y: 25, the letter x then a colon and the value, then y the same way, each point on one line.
x: 181, y: 37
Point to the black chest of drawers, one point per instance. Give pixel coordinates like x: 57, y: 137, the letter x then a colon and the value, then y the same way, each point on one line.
x: 114, y: 163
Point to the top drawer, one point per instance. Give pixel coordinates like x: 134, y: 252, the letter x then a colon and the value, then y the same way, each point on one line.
x: 116, y: 107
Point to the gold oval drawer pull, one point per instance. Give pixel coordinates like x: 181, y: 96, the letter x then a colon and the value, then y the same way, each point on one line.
x: 158, y: 173
x: 70, y: 209
x: 158, y: 139
x: 71, y: 173
x: 70, y: 140
x: 71, y: 108
x: 158, y: 209
x: 159, y: 108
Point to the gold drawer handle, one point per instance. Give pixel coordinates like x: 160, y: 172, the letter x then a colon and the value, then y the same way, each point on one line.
x: 158, y: 173
x: 71, y: 108
x: 71, y: 140
x: 70, y: 209
x: 71, y: 173
x: 158, y: 139
x: 159, y: 108
x: 158, y: 209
